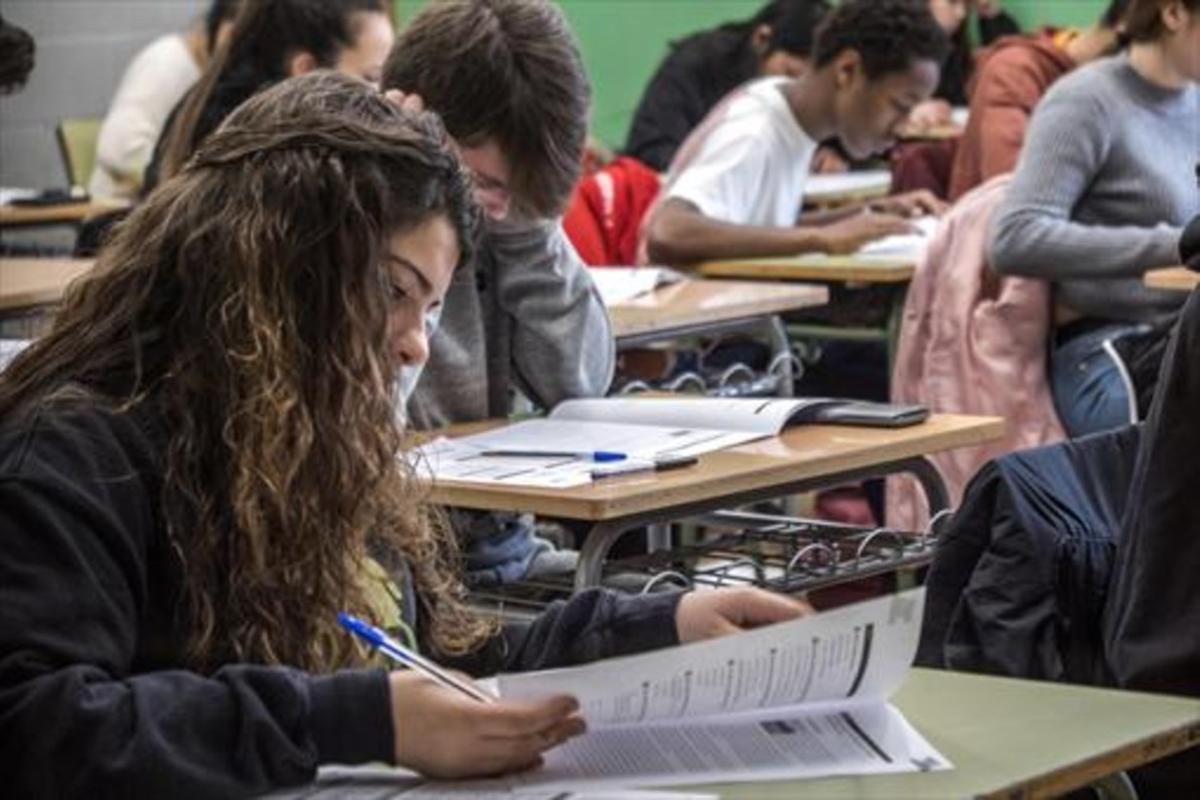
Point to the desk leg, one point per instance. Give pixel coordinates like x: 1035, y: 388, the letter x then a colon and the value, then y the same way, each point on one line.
x: 599, y: 540
x: 596, y: 544
x: 931, y: 482
x: 781, y: 345
x: 894, y: 322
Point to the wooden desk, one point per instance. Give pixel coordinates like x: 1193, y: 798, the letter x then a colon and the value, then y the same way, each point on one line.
x: 937, y: 133
x: 1010, y: 739
x: 681, y: 308
x: 30, y: 282
x: 805, y: 457
x: 814, y: 267
x: 1179, y: 279
x: 64, y: 214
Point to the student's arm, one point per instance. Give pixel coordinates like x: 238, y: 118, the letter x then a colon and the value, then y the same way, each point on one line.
x: 75, y: 717
x: 599, y: 623
x: 679, y: 234
x: 562, y: 344
x: 1033, y: 232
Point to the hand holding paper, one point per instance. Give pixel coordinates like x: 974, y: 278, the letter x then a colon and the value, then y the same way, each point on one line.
x: 707, y: 615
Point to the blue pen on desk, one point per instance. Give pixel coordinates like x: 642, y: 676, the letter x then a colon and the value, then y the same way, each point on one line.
x: 599, y: 456
x: 393, y: 649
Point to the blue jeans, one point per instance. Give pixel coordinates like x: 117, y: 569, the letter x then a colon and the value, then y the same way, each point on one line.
x: 1091, y: 389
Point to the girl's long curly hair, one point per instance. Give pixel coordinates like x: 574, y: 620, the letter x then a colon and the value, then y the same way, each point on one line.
x: 246, y: 299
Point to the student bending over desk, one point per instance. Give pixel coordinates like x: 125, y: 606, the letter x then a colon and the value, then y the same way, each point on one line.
x: 737, y: 186
x: 198, y: 470
x: 507, y: 79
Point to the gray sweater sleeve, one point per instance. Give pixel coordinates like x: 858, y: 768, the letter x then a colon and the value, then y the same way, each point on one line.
x: 1036, y: 231
x: 562, y: 344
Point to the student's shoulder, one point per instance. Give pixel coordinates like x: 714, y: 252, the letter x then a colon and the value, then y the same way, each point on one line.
x: 1090, y: 87
x: 756, y: 110
x: 705, y: 51
x: 168, y: 49
x: 1020, y: 64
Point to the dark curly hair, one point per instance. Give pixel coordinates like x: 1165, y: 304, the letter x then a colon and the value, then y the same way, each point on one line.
x: 246, y: 299
x: 889, y: 35
x: 16, y: 57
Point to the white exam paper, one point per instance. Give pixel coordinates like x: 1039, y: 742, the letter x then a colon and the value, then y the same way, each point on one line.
x: 618, y: 284
x: 800, y: 699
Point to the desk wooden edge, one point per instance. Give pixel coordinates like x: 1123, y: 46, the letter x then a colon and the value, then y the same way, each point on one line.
x: 1056, y: 783
x: 1177, y: 279
x: 554, y: 503
x: 835, y: 271
x: 806, y: 296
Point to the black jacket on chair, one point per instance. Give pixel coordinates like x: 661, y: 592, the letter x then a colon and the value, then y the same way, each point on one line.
x: 1018, y: 582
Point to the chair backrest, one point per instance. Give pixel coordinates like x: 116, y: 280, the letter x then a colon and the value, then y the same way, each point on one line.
x: 77, y: 138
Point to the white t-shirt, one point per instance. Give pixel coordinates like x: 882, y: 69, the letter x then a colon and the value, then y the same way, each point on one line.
x: 155, y: 81
x: 748, y: 161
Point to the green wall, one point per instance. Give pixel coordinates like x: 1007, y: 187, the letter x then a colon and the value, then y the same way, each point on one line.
x: 623, y: 40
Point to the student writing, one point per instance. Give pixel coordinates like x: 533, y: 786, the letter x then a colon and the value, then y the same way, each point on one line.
x: 507, y: 78
x: 737, y: 186
x: 198, y: 467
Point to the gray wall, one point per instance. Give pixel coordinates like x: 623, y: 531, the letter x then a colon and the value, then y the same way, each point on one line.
x: 82, y: 49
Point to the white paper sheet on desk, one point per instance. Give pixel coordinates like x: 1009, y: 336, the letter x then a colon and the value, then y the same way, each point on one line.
x: 907, y: 245
x: 11, y: 193
x: 463, y: 459
x: 618, y: 284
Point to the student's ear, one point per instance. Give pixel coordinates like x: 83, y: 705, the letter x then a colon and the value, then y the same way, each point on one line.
x: 760, y: 41
x: 301, y: 62
x: 847, y: 66
x: 1175, y: 16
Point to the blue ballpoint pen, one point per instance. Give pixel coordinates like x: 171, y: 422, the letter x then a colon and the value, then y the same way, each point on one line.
x: 390, y: 647
x: 599, y: 456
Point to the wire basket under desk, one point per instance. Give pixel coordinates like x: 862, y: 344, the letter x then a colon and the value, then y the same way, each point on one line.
x: 738, y: 548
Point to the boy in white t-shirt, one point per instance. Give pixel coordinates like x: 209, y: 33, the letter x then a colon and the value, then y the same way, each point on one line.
x: 736, y: 187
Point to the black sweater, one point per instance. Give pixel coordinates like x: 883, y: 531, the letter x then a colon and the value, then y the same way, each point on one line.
x: 693, y: 78
x: 94, y: 698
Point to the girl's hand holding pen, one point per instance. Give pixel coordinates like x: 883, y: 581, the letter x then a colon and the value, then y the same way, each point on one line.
x: 443, y: 733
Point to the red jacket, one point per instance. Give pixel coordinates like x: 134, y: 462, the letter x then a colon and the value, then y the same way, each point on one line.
x: 606, y: 210
x: 1010, y: 78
